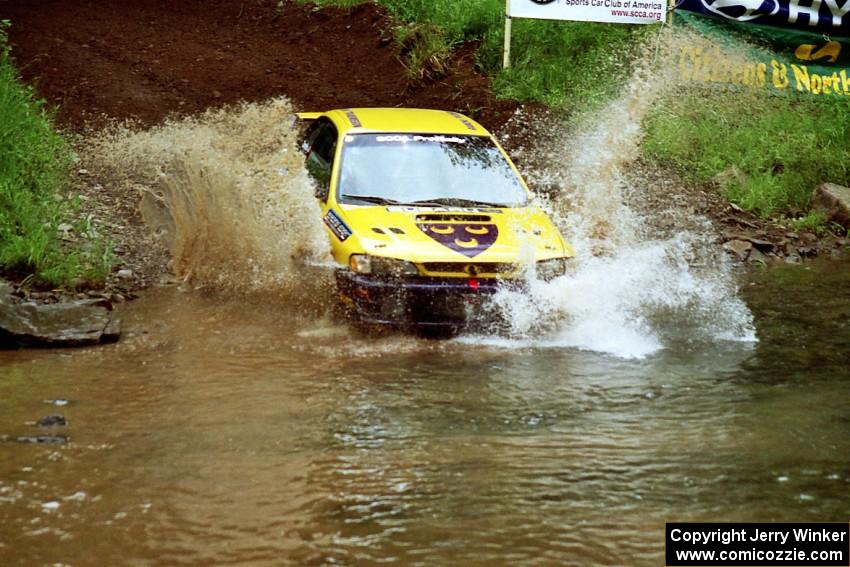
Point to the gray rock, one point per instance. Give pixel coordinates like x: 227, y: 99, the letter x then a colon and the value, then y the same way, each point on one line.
x: 5, y: 291
x: 40, y: 295
x: 730, y: 177
x: 763, y: 245
x: 42, y: 439
x: 741, y: 248
x: 52, y: 421
x: 834, y: 202
x: 60, y: 325
x: 756, y: 257
x: 125, y: 274
x: 112, y: 330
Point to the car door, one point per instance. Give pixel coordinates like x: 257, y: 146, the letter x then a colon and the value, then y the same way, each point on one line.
x: 320, y: 144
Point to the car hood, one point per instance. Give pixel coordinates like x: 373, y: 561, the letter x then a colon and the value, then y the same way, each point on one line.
x: 437, y: 234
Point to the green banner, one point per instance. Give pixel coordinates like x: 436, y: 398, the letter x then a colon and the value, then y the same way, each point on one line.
x: 781, y: 59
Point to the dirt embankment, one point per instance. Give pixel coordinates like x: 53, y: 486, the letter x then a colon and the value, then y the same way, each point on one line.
x: 148, y: 59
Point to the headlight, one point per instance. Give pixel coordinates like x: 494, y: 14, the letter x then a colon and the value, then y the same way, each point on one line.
x: 377, y: 266
x: 360, y: 263
x: 554, y: 268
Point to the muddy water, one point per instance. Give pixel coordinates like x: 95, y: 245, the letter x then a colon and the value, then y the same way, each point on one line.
x: 226, y: 433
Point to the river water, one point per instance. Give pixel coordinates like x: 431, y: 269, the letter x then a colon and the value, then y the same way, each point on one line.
x: 232, y: 432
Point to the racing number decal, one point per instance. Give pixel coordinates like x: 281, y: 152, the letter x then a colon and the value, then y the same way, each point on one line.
x: 468, y: 239
x: 337, y: 225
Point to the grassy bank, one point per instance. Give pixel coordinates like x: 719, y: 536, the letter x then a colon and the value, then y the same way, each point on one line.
x: 770, y: 151
x: 34, y: 162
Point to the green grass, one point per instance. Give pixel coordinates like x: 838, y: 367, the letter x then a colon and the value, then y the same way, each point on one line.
x: 783, y: 146
x: 572, y: 65
x: 813, y: 221
x: 425, y: 51
x: 34, y: 162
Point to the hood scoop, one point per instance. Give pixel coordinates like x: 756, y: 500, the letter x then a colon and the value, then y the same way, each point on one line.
x: 449, y: 217
x: 393, y: 229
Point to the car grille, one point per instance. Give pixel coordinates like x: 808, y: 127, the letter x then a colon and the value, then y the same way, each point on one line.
x: 471, y: 269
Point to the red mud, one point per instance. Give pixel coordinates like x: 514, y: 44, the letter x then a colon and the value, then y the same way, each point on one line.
x: 147, y: 59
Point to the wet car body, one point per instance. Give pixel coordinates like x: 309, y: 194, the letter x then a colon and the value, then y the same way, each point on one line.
x: 426, y: 216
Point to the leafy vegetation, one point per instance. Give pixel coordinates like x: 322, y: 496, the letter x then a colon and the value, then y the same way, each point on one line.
x: 782, y: 146
x: 34, y: 161
x: 563, y: 64
x: 425, y: 50
x: 814, y: 221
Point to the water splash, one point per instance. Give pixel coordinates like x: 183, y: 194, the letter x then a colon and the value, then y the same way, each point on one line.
x: 634, y: 289
x: 229, y: 192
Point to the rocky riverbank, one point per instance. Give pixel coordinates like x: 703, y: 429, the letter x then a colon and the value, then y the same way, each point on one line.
x: 61, y: 322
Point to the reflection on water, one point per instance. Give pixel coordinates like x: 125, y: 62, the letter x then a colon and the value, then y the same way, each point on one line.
x: 223, y: 433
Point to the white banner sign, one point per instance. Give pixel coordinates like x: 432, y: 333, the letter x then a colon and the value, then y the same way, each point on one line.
x: 614, y: 11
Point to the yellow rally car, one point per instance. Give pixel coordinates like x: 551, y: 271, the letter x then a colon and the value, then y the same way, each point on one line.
x: 426, y: 215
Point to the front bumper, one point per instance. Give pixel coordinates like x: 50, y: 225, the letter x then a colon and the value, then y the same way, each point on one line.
x: 420, y: 301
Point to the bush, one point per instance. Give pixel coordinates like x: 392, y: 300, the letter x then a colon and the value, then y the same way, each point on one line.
x: 34, y: 161
x: 425, y: 51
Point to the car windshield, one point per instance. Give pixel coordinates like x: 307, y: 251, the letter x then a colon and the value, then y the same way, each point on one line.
x: 426, y: 169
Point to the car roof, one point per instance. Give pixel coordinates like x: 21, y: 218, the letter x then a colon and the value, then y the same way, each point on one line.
x: 404, y: 120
